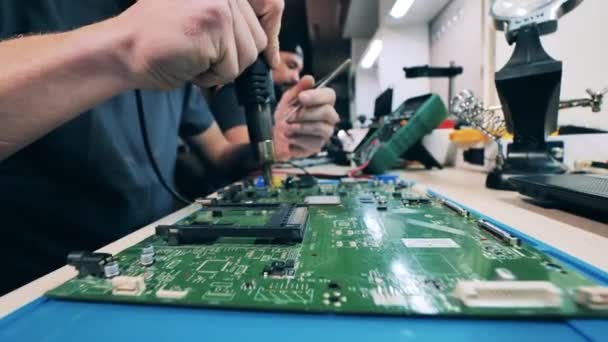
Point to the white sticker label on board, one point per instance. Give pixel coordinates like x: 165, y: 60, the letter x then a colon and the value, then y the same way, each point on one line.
x: 430, y: 243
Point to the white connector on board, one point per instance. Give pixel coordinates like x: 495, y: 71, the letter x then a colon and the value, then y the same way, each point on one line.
x: 171, y: 294
x: 592, y: 297
x: 128, y: 286
x: 508, y: 294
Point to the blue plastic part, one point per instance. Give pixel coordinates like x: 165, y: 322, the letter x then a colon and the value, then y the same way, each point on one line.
x: 56, y: 320
x: 259, y: 182
x: 387, y: 178
x: 328, y: 181
x: 53, y: 320
x: 589, y: 270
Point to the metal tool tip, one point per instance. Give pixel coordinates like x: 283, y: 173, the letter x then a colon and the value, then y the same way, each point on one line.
x: 267, y: 174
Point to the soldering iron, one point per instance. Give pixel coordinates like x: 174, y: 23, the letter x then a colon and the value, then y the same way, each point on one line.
x: 255, y: 92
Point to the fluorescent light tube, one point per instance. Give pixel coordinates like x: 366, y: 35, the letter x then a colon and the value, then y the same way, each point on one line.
x: 400, y: 8
x: 371, y: 54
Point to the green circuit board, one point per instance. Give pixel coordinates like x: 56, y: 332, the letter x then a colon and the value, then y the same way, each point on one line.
x: 366, y: 248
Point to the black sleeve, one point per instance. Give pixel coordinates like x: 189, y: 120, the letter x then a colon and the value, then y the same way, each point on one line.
x: 228, y: 113
x: 196, y: 117
x: 12, y: 19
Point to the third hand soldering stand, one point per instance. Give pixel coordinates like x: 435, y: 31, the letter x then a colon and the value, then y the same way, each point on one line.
x: 529, y: 90
x: 255, y: 92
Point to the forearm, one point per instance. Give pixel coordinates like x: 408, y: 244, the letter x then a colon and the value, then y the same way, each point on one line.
x: 238, y: 161
x: 47, y: 80
x: 234, y: 160
x: 234, y: 163
x: 237, y: 135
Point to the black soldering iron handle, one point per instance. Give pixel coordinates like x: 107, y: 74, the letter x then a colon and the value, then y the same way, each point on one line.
x: 255, y: 92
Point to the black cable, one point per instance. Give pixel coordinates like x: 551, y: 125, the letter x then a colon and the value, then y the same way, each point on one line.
x: 144, y: 134
x: 300, y: 168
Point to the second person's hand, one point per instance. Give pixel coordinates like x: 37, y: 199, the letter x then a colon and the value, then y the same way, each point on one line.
x: 311, y: 127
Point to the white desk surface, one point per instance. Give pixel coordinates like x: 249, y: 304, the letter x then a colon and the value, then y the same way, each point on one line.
x: 577, y: 236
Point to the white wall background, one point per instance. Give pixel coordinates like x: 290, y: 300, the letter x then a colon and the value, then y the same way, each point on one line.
x: 581, y: 43
x: 366, y: 82
x: 402, y: 46
x: 456, y: 35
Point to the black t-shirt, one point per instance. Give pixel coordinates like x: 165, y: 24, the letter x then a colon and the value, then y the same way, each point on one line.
x: 88, y: 182
x: 228, y: 113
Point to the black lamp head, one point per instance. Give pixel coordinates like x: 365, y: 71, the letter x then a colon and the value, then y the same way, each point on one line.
x: 511, y: 15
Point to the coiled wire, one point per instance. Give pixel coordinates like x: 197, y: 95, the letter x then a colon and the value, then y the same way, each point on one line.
x: 488, y: 120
